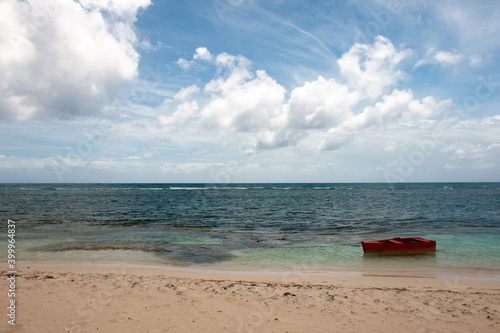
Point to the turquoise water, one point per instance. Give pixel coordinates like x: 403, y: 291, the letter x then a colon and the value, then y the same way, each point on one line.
x: 254, y: 226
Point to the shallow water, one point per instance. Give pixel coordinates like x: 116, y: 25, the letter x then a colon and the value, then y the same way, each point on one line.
x: 254, y: 226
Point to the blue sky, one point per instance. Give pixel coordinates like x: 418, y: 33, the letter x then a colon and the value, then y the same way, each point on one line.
x: 249, y: 91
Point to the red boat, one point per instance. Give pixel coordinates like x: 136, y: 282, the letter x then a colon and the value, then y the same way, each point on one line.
x: 399, y: 246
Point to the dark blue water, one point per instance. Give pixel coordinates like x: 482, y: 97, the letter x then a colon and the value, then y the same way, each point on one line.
x: 253, y: 225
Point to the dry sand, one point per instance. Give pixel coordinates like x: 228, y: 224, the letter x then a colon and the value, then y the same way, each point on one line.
x: 107, y: 298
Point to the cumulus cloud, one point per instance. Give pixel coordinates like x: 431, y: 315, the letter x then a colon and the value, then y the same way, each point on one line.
x: 185, y: 107
x: 372, y: 68
x: 232, y: 62
x: 398, y: 105
x: 320, y: 104
x: 243, y: 102
x: 269, y: 139
x: 183, y: 112
x: 240, y: 100
x: 202, y: 53
x: 335, y: 139
x: 184, y: 64
x: 186, y: 92
x: 65, y: 58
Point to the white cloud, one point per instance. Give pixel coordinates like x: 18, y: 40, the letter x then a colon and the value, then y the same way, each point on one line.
x: 243, y: 101
x: 67, y: 169
x: 222, y: 60
x: 448, y: 58
x: 273, y: 139
x: 65, y: 58
x: 389, y: 109
x: 123, y: 8
x: 471, y: 151
x: 445, y: 58
x: 370, y: 69
x: 23, y: 164
x: 320, y: 104
x: 230, y: 61
x: 236, y: 76
x: 400, y: 105
x: 335, y: 139
x: 184, y: 110
x: 181, y: 115
x: 184, y: 64
x: 426, y: 108
x: 237, y: 100
x: 186, y: 92
x: 202, y: 53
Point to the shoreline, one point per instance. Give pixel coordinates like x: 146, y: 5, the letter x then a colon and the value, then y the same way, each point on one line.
x: 460, y: 273
x: 121, y: 297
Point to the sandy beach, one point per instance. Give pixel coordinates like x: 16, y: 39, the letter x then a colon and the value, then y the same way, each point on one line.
x: 117, y: 298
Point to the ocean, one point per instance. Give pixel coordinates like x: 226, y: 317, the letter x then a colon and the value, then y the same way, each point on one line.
x: 301, y: 227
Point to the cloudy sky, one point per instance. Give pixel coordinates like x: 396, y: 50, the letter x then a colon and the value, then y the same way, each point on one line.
x: 249, y: 91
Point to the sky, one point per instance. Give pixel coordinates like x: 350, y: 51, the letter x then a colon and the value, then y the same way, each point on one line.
x: 239, y: 91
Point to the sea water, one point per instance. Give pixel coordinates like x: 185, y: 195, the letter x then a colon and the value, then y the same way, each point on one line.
x: 254, y: 226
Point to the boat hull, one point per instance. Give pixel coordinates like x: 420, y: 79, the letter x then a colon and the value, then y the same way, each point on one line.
x: 397, y: 246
